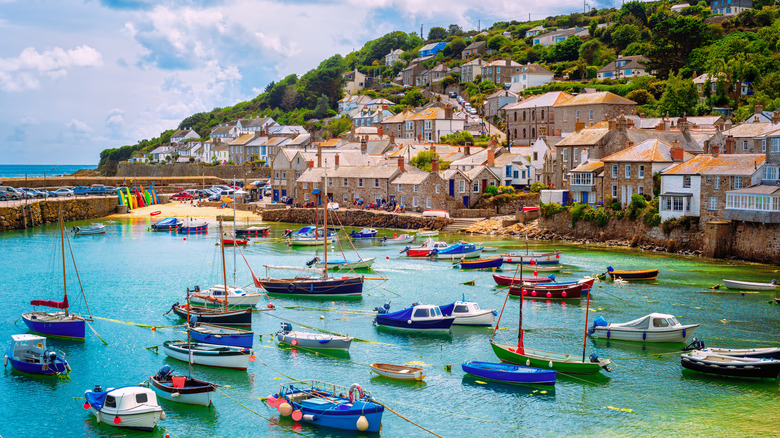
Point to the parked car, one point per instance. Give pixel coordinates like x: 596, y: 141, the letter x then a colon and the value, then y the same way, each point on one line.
x: 473, y: 111
x: 10, y: 193
x: 268, y: 191
x: 453, y: 94
x: 181, y: 196
x: 31, y: 193
x: 100, y: 189
x: 81, y: 190
x: 221, y: 194
x: 64, y: 192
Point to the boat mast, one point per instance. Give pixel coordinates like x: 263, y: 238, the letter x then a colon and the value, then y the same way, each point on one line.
x: 520, y: 322
x: 325, y: 224
x: 585, y: 335
x: 224, y: 274
x: 62, y: 245
x: 189, y: 346
x: 234, y: 239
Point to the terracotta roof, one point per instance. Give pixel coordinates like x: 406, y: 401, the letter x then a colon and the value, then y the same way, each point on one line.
x: 687, y: 142
x: 601, y: 97
x: 553, y: 98
x: 400, y: 117
x: 331, y: 142
x: 585, y: 137
x: 432, y: 113
x: 723, y: 164
x: 589, y: 166
x: 654, y: 151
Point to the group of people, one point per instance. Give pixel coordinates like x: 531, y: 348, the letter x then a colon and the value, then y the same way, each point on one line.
x: 382, y: 204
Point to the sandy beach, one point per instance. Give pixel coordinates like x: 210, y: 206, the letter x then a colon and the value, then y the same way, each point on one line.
x: 184, y: 210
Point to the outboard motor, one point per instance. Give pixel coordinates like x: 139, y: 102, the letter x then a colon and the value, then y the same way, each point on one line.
x: 52, y: 356
x: 594, y: 358
x: 598, y: 322
x: 695, y: 344
x: 193, y: 320
x: 551, y: 277
x: 172, y: 307
x: 197, y: 288
x: 312, y: 261
x: 164, y: 372
x: 405, y: 249
x: 384, y: 309
x: 286, y: 327
x: 97, y: 388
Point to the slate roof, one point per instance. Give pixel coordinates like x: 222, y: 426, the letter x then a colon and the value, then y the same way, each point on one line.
x: 688, y: 143
x: 380, y: 172
x: 249, y: 123
x: 601, y: 97
x: 476, y: 45
x: 411, y: 175
x: 757, y: 190
x: 584, y: 137
x: 473, y: 173
x: 243, y: 139
x: 536, y: 69
x: 749, y: 130
x: 722, y: 164
x: 552, y: 98
x: 632, y: 62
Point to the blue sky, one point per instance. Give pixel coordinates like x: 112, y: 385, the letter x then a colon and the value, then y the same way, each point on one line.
x: 80, y: 76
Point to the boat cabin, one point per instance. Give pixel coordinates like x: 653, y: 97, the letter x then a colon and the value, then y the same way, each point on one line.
x: 426, y: 311
x: 125, y: 399
x: 218, y: 290
x: 653, y: 321
x: 463, y: 308
x: 28, y: 348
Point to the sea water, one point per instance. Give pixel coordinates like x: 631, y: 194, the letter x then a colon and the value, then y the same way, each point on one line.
x: 40, y: 170
x: 132, y: 276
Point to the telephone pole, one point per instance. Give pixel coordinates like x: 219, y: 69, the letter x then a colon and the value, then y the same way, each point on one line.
x: 421, y: 31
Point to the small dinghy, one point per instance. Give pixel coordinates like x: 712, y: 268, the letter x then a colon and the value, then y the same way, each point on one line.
x: 210, y: 355
x: 506, y: 280
x: 424, y: 250
x: 761, y: 352
x: 468, y: 313
x: 193, y: 226
x: 547, y: 258
x: 706, y: 361
x: 95, y: 228
x: 215, y: 296
x: 213, y: 315
x: 491, y: 263
x: 235, y: 242
x: 587, y: 284
x: 655, y: 327
x: 339, y: 264
x: 326, y: 404
x: 509, y: 373
x: 167, y: 224
x: 130, y: 407
x: 253, y: 232
x: 399, y: 372
x: 403, y: 238
x: 29, y: 354
x: 181, y: 389
x: 423, y: 317
x: 317, y: 341
x: 747, y: 285
x: 638, y: 275
x: 433, y: 233
x: 219, y: 335
x: 365, y: 233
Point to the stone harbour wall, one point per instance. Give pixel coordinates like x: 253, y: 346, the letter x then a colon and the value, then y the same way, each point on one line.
x: 755, y: 241
x: 128, y: 170
x: 356, y: 218
x: 21, y: 216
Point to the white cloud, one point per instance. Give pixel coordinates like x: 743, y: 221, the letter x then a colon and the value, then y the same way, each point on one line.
x: 115, y: 118
x: 79, y: 127
x: 22, y: 73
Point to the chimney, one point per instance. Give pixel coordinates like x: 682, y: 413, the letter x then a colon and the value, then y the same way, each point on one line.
x: 629, y: 143
x: 363, y: 146
x: 392, y: 137
x: 694, y: 75
x: 491, y: 159
x: 729, y: 147
x: 380, y: 131
x: 319, y: 155
x: 642, y: 115
x: 311, y: 163
x: 612, y: 125
x: 435, y: 164
x: 677, y: 152
x: 714, y: 150
x: 776, y: 116
x: 758, y: 108
x: 336, y: 161
x: 578, y: 125
x: 401, y: 164
x: 467, y: 149
x: 448, y: 112
x: 621, y: 123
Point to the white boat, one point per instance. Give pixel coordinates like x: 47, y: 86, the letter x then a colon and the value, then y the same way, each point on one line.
x: 403, y: 238
x: 468, y: 313
x: 94, y: 228
x: 655, y: 327
x: 488, y: 248
x: 433, y: 233
x: 436, y: 213
x: 399, y: 372
x: 425, y: 249
x: 181, y: 389
x: 215, y: 295
x: 339, y: 264
x: 748, y: 285
x: 131, y: 407
x: 309, y: 240
x: 318, y: 341
x: 210, y: 355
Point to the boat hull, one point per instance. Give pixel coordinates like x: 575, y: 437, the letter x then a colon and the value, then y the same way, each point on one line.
x: 643, y: 275
x: 357, y: 264
x: 758, y: 368
x: 253, y: 232
x: 242, y: 317
x: 563, y: 363
x: 332, y: 287
x: 485, y: 318
x: 501, y: 372
x: 248, y: 300
x: 309, y: 241
x: 399, y: 372
x: 59, y: 366
x: 458, y: 255
x: 210, y: 355
x: 206, y: 336
x: 505, y: 280
x: 315, y: 341
x: 55, y: 325
x: 542, y: 291
x: 482, y: 264
x: 400, y: 239
x: 437, y: 324
x: 676, y: 335
x: 341, y: 419
x: 769, y: 352
x: 194, y: 392
x: 145, y: 421
x: 747, y: 285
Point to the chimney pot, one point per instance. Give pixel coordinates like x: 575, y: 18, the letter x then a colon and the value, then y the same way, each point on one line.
x: 435, y: 164
x: 491, y: 160
x: 401, y: 164
x: 336, y: 161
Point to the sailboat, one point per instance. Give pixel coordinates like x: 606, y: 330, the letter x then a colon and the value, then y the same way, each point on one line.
x: 311, y: 286
x: 57, y: 324
x: 565, y: 363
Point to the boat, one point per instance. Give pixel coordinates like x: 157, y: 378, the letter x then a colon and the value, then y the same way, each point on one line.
x: 57, y: 324
x: 94, y: 228
x: 181, y: 389
x: 309, y: 240
x: 129, y: 407
x: 339, y: 264
x: 544, y: 290
x: 188, y: 226
x: 587, y: 284
x: 211, y: 315
x: 489, y: 248
x: 403, y: 238
x: 506, y: 280
x: 167, y: 224
x: 748, y: 285
x: 432, y: 233
x: 509, y: 373
x: 399, y: 372
x: 210, y: 355
x: 547, y: 258
x: 234, y: 242
x: 329, y: 405
x: 318, y: 341
x: 425, y: 317
x: 468, y: 313
x: 456, y: 251
x: 761, y: 352
x: 436, y: 213
x: 29, y: 354
x: 731, y: 366
x: 221, y: 335
x: 491, y: 263
x: 637, y: 275
x: 215, y: 296
x: 365, y: 233
x: 253, y: 231
x: 424, y: 250
x: 655, y: 327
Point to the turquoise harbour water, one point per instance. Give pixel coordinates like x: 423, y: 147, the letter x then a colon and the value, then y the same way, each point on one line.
x: 133, y: 275
x: 40, y: 170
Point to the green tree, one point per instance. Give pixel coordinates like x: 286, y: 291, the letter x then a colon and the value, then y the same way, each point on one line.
x: 413, y: 98
x: 424, y: 159
x: 497, y: 42
x: 624, y: 35
x: 437, y: 34
x: 568, y: 50
x: 454, y: 30
x: 673, y: 39
x: 321, y: 110
x: 454, y: 48
x: 680, y: 96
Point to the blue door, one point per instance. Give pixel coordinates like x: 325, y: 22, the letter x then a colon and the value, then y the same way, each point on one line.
x: 584, y: 197
x: 466, y: 201
x: 565, y: 198
x: 276, y: 195
x: 284, y: 193
x: 452, y: 187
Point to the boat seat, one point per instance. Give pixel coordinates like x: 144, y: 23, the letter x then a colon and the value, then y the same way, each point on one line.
x: 403, y: 371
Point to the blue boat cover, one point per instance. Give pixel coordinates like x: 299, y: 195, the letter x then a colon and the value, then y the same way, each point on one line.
x: 401, y: 315
x: 168, y: 221
x: 447, y: 310
x: 96, y: 399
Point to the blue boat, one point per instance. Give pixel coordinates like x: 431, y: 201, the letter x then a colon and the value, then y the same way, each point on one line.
x: 457, y: 251
x: 328, y: 405
x: 193, y: 226
x: 491, y: 263
x: 309, y: 231
x: 425, y: 317
x: 28, y: 354
x: 219, y: 335
x: 365, y: 233
x: 167, y: 224
x: 509, y: 373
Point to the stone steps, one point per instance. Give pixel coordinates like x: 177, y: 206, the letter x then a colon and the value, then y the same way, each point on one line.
x: 459, y: 224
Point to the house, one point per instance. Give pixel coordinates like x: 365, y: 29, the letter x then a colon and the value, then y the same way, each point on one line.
x: 631, y: 170
x: 474, y: 49
x: 707, y: 85
x: 418, y: 190
x: 759, y: 203
x: 300, y: 141
x: 367, y: 117
x: 352, y: 102
x: 256, y: 149
x: 730, y: 7
x: 698, y: 187
x: 501, y: 71
x: 514, y: 167
x: 161, y: 153
x: 287, y: 131
x: 533, y: 117
x: 479, y: 179
x: 560, y: 35
x: 624, y: 67
x: 393, y: 57
x: 497, y: 101
x: 423, y: 78
x: 543, y: 159
x: 379, y: 103
x: 183, y: 135
x: 396, y: 125
x: 372, y: 183
x: 237, y: 148
x: 286, y: 167
x: 431, y: 49
x: 432, y: 123
x: 411, y: 72
x: 536, y: 30
x: 255, y: 124
x: 531, y: 75
x: 586, y: 182
x: 590, y: 108
x: 471, y: 69
x: 220, y: 153
x: 354, y: 81
x: 438, y: 73
x: 749, y: 138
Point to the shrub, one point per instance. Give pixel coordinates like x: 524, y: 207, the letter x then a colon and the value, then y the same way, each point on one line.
x: 602, y: 217
x: 490, y: 191
x: 506, y: 189
x: 577, y: 211
x: 616, y: 206
x: 668, y: 225
x: 536, y: 187
x: 652, y: 218
x: 551, y: 209
x: 638, y: 203
x: 619, y: 214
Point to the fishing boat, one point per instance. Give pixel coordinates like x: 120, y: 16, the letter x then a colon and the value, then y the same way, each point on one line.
x: 318, y: 341
x: 94, y: 228
x: 491, y: 263
x: 509, y: 373
x: 468, y: 313
x: 432, y: 233
x: 167, y: 224
x: 506, y: 280
x: 547, y: 258
x: 365, y: 233
x: 211, y: 315
x: 130, y: 407
x: 637, y: 275
x: 424, y: 250
x: 708, y: 362
x: 456, y: 251
x: 221, y: 335
x: 57, y: 324
x: 340, y: 264
x: 748, y: 285
x: 29, y: 354
x: 188, y: 226
x: 425, y: 317
x: 329, y: 405
x: 544, y: 290
x: 210, y: 355
x: 181, y: 389
x: 216, y: 295
x: 655, y: 327
x: 253, y: 232
x: 403, y: 238
x: 235, y: 242
x: 399, y: 372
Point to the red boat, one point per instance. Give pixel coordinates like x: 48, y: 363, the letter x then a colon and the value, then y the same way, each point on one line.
x: 506, y: 280
x: 230, y: 242
x: 542, y: 291
x: 425, y: 250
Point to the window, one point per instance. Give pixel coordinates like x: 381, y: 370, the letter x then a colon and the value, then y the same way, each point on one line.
x: 427, y: 124
x: 421, y: 313
x: 641, y: 173
x: 346, y: 199
x: 330, y: 182
x: 577, y: 114
x: 508, y: 171
x: 763, y: 145
x: 716, y: 186
x: 399, y: 188
x: 141, y: 398
x: 744, y: 145
x: 672, y: 203
x: 409, y: 126
x: 428, y: 202
x: 345, y: 182
x: 415, y: 202
x: 590, y: 114
x: 712, y: 203
x: 277, y: 175
x: 515, y: 174
x: 770, y: 172
x: 110, y: 401
x: 315, y: 186
x: 284, y: 175
x: 360, y: 182
x: 774, y: 145
x: 565, y: 155
x: 297, y: 175
x: 437, y: 188
x: 376, y: 182
x: 304, y: 186
x: 614, y: 191
x: 414, y: 188
x: 709, y: 179
x: 737, y: 182
x: 628, y: 171
x: 306, y: 197
x: 687, y: 181
x: 476, y: 187
x: 542, y: 114
x: 536, y: 156
x: 614, y: 171
x: 462, y: 186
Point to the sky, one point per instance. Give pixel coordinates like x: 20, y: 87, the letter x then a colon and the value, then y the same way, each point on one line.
x: 80, y: 76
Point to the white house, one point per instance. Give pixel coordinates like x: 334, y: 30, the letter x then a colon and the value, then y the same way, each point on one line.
x: 183, y: 135
x: 393, y: 57
x: 532, y: 75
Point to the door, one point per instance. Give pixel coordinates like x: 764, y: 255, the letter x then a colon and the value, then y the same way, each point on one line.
x: 484, y: 185
x: 276, y: 195
x: 284, y: 193
x: 452, y: 187
x: 565, y: 199
x: 466, y: 201
x: 584, y: 197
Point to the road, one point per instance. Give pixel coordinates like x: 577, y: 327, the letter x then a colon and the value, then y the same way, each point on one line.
x: 472, y: 120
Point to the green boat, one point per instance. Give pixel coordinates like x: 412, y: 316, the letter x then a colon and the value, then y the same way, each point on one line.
x: 565, y: 363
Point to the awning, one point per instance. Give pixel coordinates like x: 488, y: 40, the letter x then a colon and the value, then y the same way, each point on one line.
x: 316, y: 192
